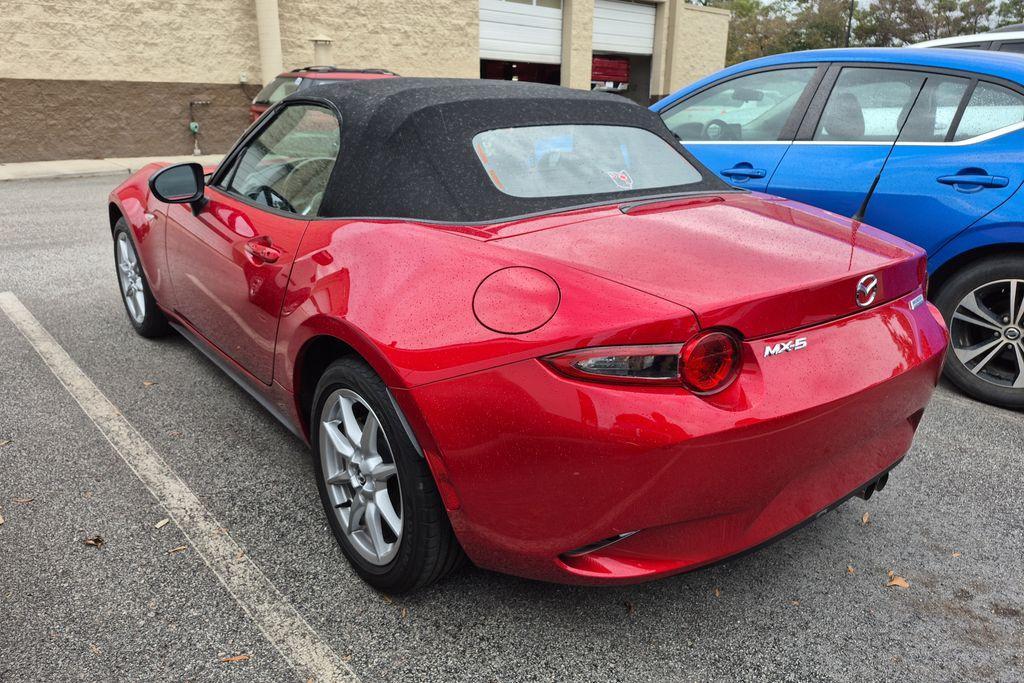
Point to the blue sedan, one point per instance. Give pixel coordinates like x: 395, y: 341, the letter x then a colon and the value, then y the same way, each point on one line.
x: 926, y: 144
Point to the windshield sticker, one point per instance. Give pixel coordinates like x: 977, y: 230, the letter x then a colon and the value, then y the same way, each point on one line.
x: 622, y: 179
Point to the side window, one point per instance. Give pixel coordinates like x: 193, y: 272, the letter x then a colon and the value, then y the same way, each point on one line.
x: 1016, y: 46
x: 288, y: 164
x: 868, y: 105
x: 991, y: 107
x: 933, y: 113
x: 749, y: 108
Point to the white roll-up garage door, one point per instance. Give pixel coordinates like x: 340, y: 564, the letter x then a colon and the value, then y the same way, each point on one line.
x: 625, y: 27
x: 520, y: 32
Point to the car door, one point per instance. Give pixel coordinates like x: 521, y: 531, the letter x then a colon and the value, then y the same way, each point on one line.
x: 229, y: 261
x: 849, y: 130
x: 957, y: 158
x: 741, y: 127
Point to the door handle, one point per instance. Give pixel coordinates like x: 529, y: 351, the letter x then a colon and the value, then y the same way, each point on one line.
x: 743, y: 172
x: 972, y: 182
x: 260, y: 248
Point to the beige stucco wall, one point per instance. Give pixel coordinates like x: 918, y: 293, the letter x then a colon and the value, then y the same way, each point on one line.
x: 435, y: 38
x: 695, y: 38
x: 577, y: 42
x: 144, y: 40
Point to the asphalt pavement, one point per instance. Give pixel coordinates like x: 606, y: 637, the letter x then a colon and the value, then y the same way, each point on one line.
x: 144, y: 604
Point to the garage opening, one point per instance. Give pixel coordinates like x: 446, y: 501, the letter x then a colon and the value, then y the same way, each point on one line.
x: 623, y: 45
x: 521, y: 40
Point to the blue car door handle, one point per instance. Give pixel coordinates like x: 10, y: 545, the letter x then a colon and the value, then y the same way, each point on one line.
x: 970, y: 182
x: 744, y: 172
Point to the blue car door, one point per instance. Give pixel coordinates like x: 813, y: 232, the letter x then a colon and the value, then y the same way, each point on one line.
x: 958, y: 158
x: 850, y: 128
x: 740, y: 127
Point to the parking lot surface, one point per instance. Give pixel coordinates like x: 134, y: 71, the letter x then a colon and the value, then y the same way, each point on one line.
x: 145, y: 604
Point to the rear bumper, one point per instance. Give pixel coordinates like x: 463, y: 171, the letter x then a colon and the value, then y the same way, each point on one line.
x: 538, y: 465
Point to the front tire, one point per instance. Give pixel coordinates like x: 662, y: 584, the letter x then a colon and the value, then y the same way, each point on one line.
x: 377, y: 491
x: 983, y: 305
x: 143, y: 313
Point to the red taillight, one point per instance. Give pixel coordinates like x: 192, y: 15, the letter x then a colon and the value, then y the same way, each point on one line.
x: 706, y: 364
x: 710, y: 362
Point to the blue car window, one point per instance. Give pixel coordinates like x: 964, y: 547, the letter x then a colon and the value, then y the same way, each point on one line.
x: 748, y: 108
x: 991, y: 108
x: 933, y: 113
x: 868, y: 105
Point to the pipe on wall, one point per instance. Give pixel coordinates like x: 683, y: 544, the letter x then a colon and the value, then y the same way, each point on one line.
x: 268, y: 28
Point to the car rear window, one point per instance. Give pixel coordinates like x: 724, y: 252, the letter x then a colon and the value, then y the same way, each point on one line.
x: 277, y: 89
x: 566, y: 160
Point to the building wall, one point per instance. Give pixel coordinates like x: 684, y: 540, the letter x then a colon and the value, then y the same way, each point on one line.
x: 695, y: 44
x: 433, y: 38
x: 577, y: 42
x: 142, y: 40
x: 86, y: 79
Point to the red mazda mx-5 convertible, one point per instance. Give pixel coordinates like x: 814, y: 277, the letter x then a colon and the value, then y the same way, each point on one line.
x: 519, y: 323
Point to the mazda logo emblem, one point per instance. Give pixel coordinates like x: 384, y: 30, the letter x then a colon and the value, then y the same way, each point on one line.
x: 867, y: 290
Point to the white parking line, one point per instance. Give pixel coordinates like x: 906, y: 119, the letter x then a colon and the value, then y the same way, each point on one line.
x: 282, y: 625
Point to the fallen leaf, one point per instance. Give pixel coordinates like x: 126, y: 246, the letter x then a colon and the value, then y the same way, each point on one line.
x: 87, y: 494
x: 630, y: 608
x: 850, y: 569
x: 177, y: 550
x: 386, y: 598
x: 795, y: 603
x: 346, y: 658
x: 148, y: 383
x: 891, y: 573
x: 93, y: 649
x: 174, y: 433
x: 96, y: 541
x: 23, y: 501
x: 956, y: 553
x: 865, y: 519
x: 1, y: 520
x: 162, y: 523
x: 4, y: 442
x: 718, y: 592
x: 897, y: 581
x: 240, y: 555
x: 236, y: 658
x: 405, y: 613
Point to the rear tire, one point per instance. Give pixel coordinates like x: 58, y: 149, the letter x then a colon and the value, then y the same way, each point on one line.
x: 983, y: 305
x: 143, y: 313
x: 381, y: 478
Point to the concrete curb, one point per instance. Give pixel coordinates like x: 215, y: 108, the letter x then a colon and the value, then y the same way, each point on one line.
x: 78, y: 168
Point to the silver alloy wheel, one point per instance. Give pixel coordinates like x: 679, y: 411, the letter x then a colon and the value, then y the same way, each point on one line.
x: 362, y: 480
x: 987, y: 332
x: 129, y: 274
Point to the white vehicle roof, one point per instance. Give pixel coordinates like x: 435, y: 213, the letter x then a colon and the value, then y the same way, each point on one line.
x: 1001, y: 36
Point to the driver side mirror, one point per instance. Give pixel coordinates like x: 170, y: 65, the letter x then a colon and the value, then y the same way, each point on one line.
x: 179, y: 184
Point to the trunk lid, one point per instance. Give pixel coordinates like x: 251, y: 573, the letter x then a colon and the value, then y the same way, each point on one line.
x: 759, y: 264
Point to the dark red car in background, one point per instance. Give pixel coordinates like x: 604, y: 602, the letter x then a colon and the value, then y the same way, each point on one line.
x: 308, y: 76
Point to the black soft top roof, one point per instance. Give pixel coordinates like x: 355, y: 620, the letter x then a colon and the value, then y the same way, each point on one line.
x: 406, y: 145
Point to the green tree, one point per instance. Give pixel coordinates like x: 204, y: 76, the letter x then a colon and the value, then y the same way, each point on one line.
x: 976, y: 15
x: 1011, y: 12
